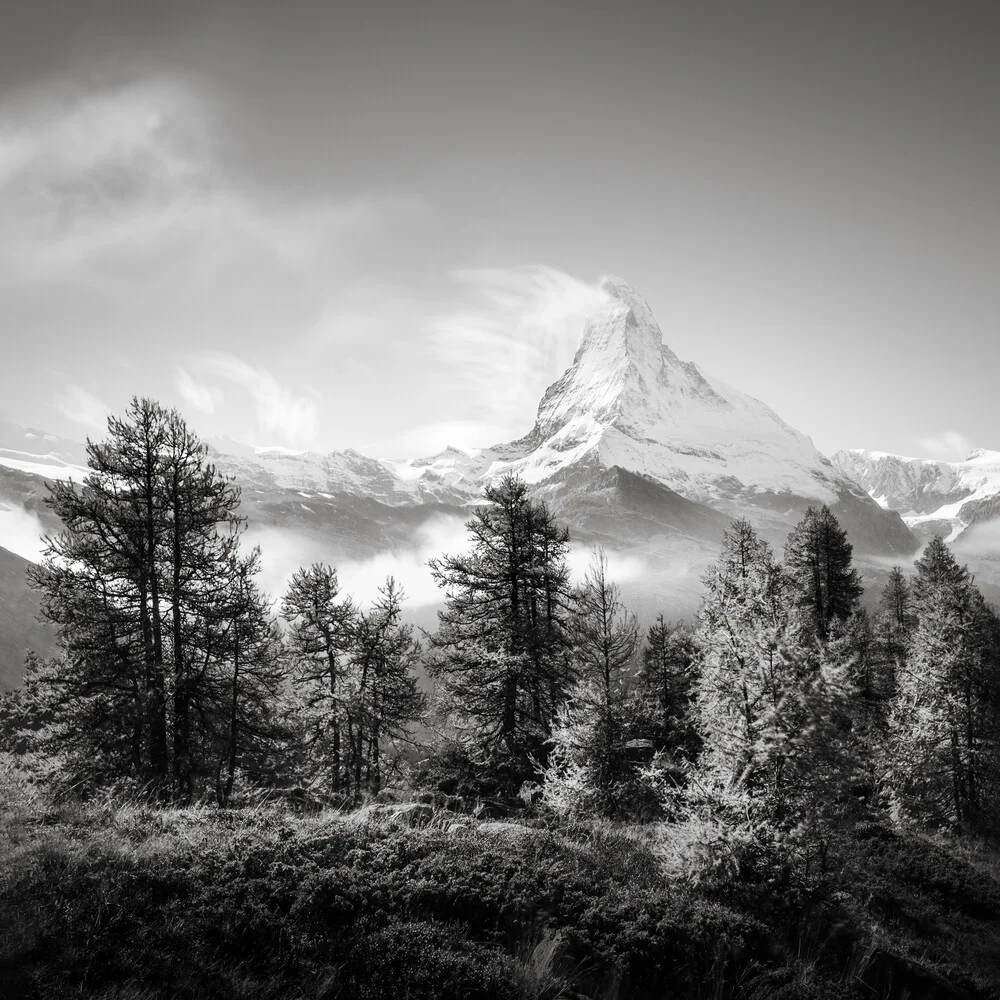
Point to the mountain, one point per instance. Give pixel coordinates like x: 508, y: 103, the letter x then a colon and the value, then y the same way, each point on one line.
x: 634, y: 448
x: 934, y: 498
x: 627, y: 403
x: 20, y: 629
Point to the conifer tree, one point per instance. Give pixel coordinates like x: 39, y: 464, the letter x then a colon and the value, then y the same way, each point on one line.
x: 588, y: 765
x: 771, y: 712
x: 253, y: 731
x: 319, y: 642
x: 895, y: 621
x: 946, y: 718
x: 501, y: 652
x: 821, y: 580
x: 666, y: 682
x: 132, y: 584
x: 385, y: 699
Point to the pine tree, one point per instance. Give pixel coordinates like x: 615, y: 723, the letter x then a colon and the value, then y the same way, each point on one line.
x: 946, y: 718
x: 895, y: 621
x: 251, y: 679
x: 132, y: 584
x: 319, y: 641
x: 666, y: 682
x: 385, y: 698
x: 501, y: 652
x: 606, y: 635
x: 771, y: 711
x: 589, y: 764
x: 821, y: 580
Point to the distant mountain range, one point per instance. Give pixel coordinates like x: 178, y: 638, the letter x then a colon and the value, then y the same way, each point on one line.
x: 634, y: 448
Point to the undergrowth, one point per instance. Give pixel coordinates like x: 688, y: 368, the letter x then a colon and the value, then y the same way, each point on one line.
x: 122, y: 900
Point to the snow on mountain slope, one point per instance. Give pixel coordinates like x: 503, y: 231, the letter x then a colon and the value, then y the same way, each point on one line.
x: 933, y: 497
x: 629, y: 401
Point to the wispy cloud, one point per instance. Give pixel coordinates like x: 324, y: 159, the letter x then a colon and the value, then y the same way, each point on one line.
x: 103, y: 179
x: 82, y: 407
x: 519, y: 328
x: 21, y: 532
x: 949, y: 444
x: 281, y: 412
x: 200, y: 395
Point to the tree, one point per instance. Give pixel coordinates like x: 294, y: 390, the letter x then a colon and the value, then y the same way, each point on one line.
x: 253, y: 680
x: 133, y: 584
x: 821, y: 580
x: 666, y: 681
x: 946, y: 718
x: 589, y: 759
x: 895, y: 621
x: 770, y: 710
x: 385, y: 697
x: 501, y: 651
x: 319, y: 641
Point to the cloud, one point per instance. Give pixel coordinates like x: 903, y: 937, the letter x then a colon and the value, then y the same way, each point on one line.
x: 21, y: 532
x: 429, y: 439
x: 282, y: 413
x: 518, y: 329
x: 201, y: 396
x: 101, y: 182
x: 283, y: 552
x: 81, y: 407
x: 947, y: 444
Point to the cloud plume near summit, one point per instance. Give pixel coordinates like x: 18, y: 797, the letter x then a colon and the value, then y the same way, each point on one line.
x: 511, y: 333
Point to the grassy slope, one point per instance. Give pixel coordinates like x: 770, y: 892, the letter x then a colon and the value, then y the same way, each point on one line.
x: 134, y: 903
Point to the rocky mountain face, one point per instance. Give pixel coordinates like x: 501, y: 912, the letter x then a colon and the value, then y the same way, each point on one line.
x: 633, y: 447
x: 934, y: 498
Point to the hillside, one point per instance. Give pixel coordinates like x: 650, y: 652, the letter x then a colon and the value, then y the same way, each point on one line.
x: 413, y: 901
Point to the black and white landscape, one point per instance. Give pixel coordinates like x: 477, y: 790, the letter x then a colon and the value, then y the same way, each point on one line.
x: 396, y: 604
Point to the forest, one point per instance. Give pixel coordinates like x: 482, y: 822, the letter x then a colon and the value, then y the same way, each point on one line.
x: 210, y: 792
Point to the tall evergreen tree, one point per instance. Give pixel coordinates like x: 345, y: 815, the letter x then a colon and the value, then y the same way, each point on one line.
x: 320, y: 636
x: 588, y: 763
x: 821, y: 579
x: 501, y: 651
x: 771, y: 713
x: 895, y: 621
x: 606, y: 635
x: 385, y: 699
x: 946, y: 719
x: 132, y: 584
x: 667, y: 681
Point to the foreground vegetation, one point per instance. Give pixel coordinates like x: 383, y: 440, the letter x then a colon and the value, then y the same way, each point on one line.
x: 122, y: 900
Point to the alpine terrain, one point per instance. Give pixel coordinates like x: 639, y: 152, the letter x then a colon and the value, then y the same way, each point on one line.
x: 636, y: 449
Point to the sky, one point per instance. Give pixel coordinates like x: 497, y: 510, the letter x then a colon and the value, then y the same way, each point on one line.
x: 381, y: 226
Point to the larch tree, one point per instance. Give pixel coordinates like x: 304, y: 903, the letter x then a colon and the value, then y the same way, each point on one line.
x: 500, y: 655
x: 132, y: 585
x: 821, y: 578
x: 385, y: 698
x: 770, y: 710
x: 319, y: 641
x: 588, y: 765
x: 666, y: 682
x: 945, y: 724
